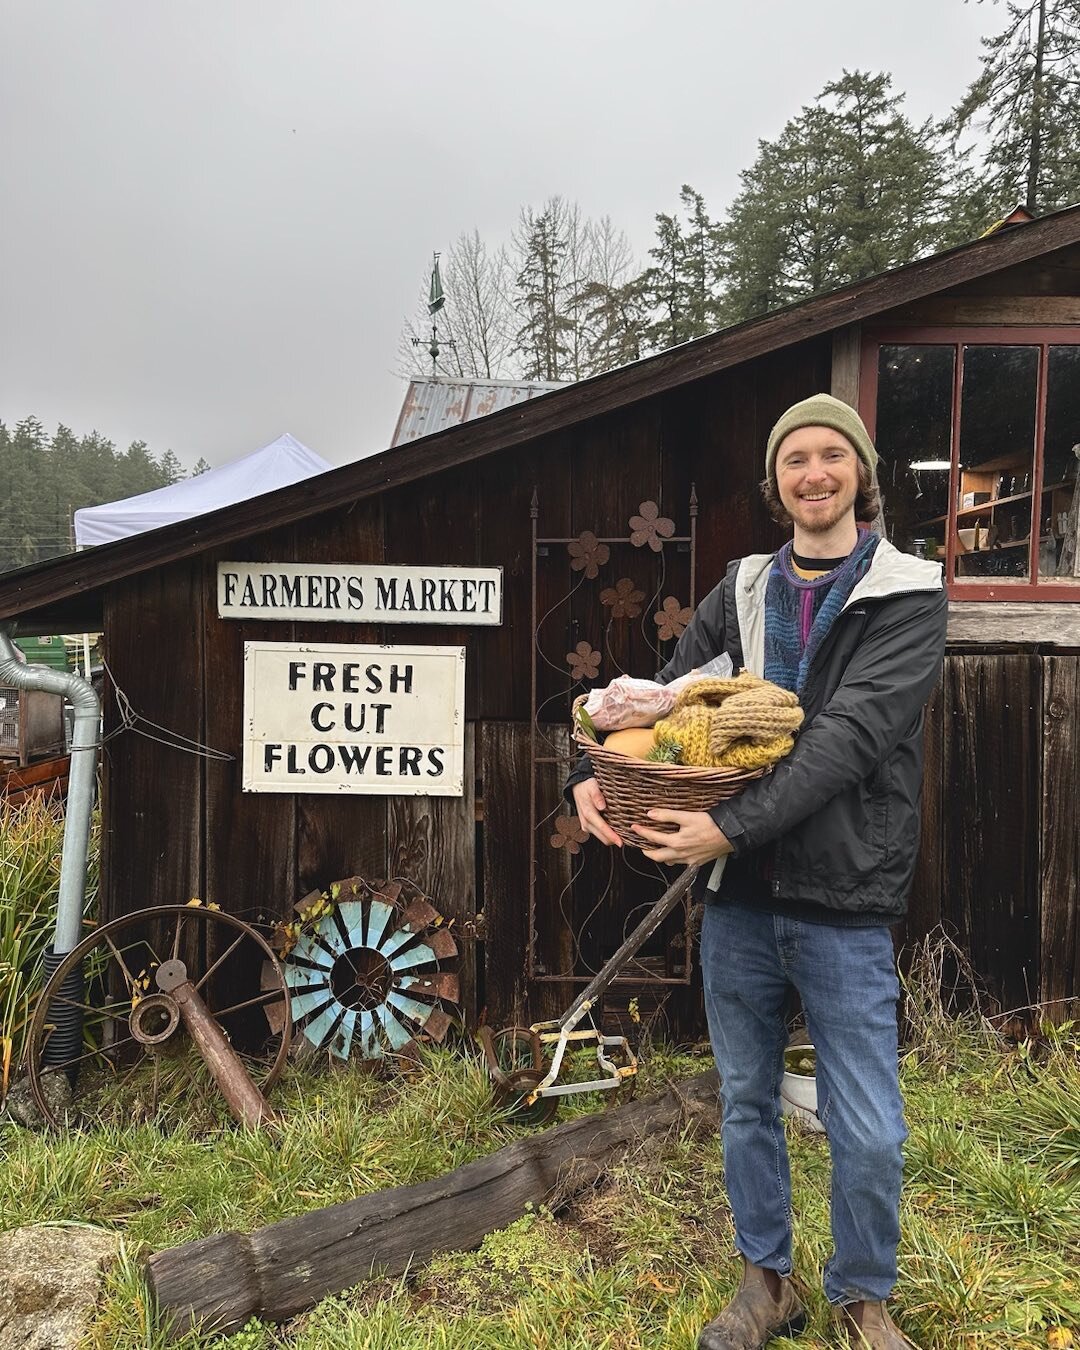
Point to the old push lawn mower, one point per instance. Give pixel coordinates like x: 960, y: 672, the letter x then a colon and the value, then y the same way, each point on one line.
x: 523, y: 1078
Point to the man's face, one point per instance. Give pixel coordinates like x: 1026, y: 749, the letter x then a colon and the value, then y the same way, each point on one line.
x: 817, y: 476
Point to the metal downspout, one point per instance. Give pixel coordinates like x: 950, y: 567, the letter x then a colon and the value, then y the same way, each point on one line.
x: 65, y: 1041
x: 80, y: 799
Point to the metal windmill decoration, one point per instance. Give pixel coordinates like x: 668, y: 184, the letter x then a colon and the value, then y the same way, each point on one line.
x: 364, y: 972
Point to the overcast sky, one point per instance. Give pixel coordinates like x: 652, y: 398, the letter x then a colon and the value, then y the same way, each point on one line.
x: 215, y: 214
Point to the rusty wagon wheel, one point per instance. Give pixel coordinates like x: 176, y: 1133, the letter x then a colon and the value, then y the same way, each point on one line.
x: 107, y: 1016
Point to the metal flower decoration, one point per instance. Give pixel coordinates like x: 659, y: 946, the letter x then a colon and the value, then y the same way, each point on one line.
x: 584, y: 662
x: 588, y: 554
x: 672, y: 619
x: 624, y: 600
x: 650, y: 527
x: 568, y: 834
x: 365, y: 978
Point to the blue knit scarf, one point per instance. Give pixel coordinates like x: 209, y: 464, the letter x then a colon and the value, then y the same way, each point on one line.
x: 799, y: 613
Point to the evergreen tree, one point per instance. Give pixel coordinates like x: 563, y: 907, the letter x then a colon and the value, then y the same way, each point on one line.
x: 201, y: 466
x: 170, y: 467
x: 850, y: 188
x: 1027, y: 97
x: 683, y: 285
x: 46, y: 480
x: 546, y: 293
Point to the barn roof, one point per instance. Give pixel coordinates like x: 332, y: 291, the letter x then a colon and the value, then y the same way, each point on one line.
x: 434, y: 404
x: 65, y: 585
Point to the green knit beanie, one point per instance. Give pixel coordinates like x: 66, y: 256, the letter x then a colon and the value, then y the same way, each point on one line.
x: 822, y: 410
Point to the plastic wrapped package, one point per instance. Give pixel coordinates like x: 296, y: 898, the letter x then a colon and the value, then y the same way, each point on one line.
x: 630, y: 702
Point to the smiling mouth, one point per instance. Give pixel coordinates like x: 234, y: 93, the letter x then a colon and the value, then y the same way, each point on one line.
x: 816, y: 496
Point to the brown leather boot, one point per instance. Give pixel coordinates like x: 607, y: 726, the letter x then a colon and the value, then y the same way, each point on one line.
x: 754, y: 1316
x: 870, y: 1327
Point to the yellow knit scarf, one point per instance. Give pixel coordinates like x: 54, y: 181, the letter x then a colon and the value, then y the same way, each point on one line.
x: 743, y: 722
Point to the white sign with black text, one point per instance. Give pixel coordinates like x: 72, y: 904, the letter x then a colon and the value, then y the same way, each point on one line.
x: 384, y: 720
x: 360, y: 593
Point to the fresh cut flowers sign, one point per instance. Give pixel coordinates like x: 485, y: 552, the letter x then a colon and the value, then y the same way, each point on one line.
x: 354, y: 718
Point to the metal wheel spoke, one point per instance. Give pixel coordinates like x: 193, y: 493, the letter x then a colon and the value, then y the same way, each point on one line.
x: 96, y: 1052
x: 117, y: 1010
x: 176, y: 936
x: 123, y: 964
x: 257, y: 1001
x: 223, y: 957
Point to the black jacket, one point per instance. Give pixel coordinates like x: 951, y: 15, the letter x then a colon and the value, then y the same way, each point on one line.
x: 837, y: 821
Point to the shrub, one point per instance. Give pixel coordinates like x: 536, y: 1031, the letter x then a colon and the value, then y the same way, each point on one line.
x: 31, y: 840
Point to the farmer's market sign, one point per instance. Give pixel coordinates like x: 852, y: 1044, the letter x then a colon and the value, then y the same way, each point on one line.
x: 358, y: 593
x: 353, y: 718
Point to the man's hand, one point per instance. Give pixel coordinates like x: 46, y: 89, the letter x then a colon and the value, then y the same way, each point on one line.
x: 590, y: 803
x: 697, y: 840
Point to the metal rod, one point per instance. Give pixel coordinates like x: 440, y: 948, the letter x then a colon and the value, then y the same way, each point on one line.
x: 649, y: 924
x: 534, y: 512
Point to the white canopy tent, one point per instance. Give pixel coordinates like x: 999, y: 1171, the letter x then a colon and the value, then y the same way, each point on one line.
x: 276, y: 465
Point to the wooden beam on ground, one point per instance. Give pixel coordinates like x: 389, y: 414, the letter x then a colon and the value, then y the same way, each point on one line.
x: 219, y: 1282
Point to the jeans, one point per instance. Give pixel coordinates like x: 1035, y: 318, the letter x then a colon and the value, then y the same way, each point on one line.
x: 847, y: 981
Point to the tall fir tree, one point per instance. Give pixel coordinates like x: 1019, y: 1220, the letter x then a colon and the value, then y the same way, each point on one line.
x: 1027, y: 100
x: 546, y: 293
x: 851, y: 187
x: 682, y: 286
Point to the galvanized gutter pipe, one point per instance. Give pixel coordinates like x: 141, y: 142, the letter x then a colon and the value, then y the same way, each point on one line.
x: 65, y: 1042
x: 80, y: 798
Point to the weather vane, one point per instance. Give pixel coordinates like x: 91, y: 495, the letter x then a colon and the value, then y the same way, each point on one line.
x: 436, y: 300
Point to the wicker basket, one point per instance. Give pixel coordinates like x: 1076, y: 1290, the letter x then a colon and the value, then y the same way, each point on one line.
x: 632, y: 786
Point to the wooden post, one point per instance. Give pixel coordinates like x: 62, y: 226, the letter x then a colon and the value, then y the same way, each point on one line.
x: 218, y: 1283
x: 846, y: 358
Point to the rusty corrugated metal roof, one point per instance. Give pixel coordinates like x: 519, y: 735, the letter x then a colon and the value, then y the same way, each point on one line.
x: 434, y: 404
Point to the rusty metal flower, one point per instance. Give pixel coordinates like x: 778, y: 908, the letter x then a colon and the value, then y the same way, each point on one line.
x: 588, y: 553
x: 650, y: 527
x: 584, y: 662
x: 624, y: 600
x: 672, y: 619
x: 568, y: 834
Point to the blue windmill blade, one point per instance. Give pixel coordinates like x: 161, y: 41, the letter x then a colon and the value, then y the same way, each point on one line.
x: 321, y: 1027
x: 310, y: 1000
x: 304, y: 977
x: 395, y: 1033
x: 379, y: 915
x: 308, y: 950
x: 414, y: 957
x: 395, y: 940
x: 341, y: 1042
x: 409, y: 1007
x: 370, y: 1045
x: 351, y: 917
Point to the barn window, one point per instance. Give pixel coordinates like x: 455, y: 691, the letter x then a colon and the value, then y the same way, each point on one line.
x: 979, y: 436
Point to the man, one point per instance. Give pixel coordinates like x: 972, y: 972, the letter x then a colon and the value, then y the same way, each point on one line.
x: 805, y: 870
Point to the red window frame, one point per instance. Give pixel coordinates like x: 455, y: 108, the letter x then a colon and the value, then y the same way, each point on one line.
x: 959, y: 337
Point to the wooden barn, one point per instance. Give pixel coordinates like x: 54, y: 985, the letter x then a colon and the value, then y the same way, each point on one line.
x: 588, y: 521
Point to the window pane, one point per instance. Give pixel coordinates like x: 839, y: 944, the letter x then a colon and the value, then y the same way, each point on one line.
x: 997, y: 452
x: 913, y: 436
x: 1058, y: 525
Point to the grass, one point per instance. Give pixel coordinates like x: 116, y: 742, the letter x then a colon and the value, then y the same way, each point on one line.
x: 31, y: 837
x: 991, y: 1211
